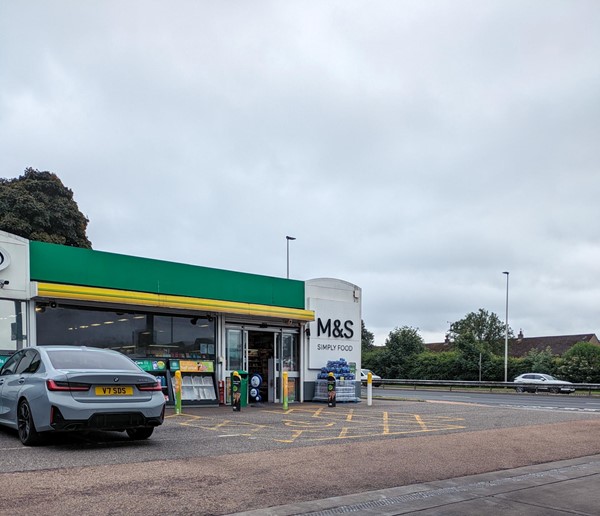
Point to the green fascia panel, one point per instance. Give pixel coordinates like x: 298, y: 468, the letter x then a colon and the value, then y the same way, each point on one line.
x: 54, y: 263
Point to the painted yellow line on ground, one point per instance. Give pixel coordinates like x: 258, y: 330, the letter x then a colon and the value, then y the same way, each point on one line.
x: 420, y: 421
x: 295, y: 435
x: 293, y: 423
x: 323, y: 424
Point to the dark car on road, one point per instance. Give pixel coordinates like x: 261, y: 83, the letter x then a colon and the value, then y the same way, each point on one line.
x: 69, y: 388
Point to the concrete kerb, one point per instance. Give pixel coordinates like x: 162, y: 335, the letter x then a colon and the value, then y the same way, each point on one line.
x: 514, y: 491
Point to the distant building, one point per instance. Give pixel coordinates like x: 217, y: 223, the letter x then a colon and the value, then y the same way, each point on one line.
x: 559, y: 344
x: 520, y: 346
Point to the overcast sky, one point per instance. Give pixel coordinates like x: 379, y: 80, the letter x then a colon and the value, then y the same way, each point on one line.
x: 417, y: 149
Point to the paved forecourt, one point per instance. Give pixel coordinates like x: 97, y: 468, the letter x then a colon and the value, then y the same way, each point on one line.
x: 311, y: 422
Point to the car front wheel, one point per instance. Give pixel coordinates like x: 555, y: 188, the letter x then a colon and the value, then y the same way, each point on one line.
x: 28, y: 435
x: 138, y: 434
x: 519, y: 388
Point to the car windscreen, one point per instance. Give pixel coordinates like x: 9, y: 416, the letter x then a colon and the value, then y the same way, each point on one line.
x: 89, y: 359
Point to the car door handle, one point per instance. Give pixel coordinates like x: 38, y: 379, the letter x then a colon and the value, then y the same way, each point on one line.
x: 21, y: 380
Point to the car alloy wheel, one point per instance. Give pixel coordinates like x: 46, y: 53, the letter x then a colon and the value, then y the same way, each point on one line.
x: 26, y: 428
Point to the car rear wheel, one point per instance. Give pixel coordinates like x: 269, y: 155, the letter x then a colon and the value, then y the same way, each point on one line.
x: 28, y: 435
x: 140, y: 433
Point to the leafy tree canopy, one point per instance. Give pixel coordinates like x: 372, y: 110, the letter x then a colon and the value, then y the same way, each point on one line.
x: 540, y: 361
x: 367, y: 338
x: 401, y: 346
x: 485, y: 327
x: 39, y: 207
x: 581, y: 363
x: 404, y: 341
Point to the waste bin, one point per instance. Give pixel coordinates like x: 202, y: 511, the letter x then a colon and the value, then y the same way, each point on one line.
x: 243, y: 387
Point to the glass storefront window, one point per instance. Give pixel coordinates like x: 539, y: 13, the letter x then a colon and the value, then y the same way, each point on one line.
x: 289, y: 352
x: 234, y: 350
x: 139, y: 334
x: 13, y: 324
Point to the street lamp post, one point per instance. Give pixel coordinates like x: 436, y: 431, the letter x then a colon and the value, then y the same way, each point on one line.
x: 506, y: 333
x: 288, y: 238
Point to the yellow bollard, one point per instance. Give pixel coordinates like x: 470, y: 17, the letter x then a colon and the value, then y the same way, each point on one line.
x: 285, y: 390
x: 369, y: 389
x: 177, y: 392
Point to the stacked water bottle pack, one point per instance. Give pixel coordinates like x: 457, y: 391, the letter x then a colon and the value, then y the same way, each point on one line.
x: 345, y: 381
x: 340, y: 369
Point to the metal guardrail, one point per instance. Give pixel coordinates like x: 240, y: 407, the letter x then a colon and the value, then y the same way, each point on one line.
x: 589, y: 387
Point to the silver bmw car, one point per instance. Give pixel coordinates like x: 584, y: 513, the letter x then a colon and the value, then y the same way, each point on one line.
x: 70, y: 388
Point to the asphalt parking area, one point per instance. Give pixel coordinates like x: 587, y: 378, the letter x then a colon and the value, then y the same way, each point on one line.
x: 317, y: 423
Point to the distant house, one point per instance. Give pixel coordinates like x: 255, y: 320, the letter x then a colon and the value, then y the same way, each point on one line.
x: 559, y: 344
x: 520, y: 346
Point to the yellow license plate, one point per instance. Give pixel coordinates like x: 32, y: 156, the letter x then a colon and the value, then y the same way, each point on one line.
x: 114, y: 390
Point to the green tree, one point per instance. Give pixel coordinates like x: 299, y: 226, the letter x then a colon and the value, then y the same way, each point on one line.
x: 434, y: 365
x: 367, y: 339
x: 537, y: 361
x: 581, y: 363
x: 401, y: 346
x: 39, y: 207
x: 471, y: 353
x: 485, y: 327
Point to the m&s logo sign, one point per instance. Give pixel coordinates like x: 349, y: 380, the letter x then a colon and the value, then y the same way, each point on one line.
x: 335, y: 328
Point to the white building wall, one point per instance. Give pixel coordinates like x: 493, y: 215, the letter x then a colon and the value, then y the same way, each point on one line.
x: 14, y: 267
x: 336, y: 331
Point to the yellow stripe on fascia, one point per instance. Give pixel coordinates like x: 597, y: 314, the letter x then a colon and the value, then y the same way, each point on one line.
x: 105, y: 295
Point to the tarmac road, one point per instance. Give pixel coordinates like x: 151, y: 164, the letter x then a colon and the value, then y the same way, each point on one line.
x: 210, y: 461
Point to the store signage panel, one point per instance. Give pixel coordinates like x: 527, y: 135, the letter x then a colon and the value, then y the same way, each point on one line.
x: 152, y: 365
x: 335, y: 332
x: 196, y: 366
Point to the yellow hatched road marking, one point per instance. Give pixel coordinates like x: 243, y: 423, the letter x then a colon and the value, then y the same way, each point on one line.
x: 421, y: 423
x: 295, y: 435
x: 307, y: 424
x: 320, y: 424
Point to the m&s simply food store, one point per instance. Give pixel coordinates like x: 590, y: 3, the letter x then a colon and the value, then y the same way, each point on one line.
x: 170, y: 317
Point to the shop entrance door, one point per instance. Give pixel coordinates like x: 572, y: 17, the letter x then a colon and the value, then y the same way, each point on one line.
x: 261, y: 354
x: 266, y: 353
